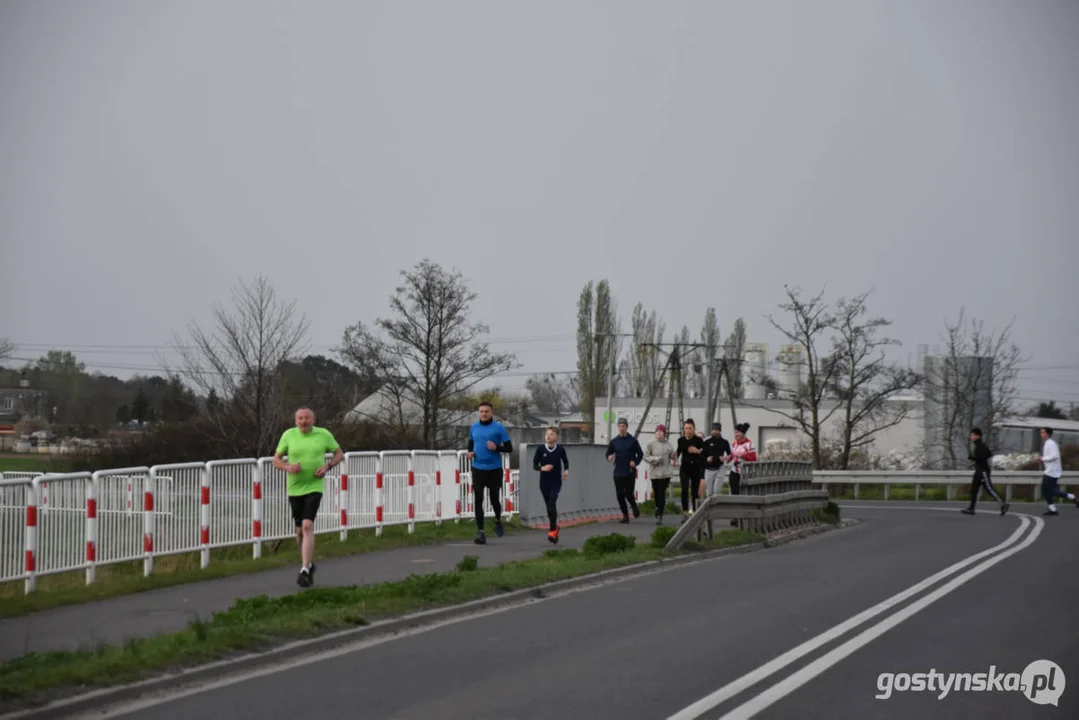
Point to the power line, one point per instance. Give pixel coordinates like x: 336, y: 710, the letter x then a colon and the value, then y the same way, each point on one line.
x: 98, y: 347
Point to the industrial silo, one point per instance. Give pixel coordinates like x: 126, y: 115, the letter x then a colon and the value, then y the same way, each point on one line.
x: 790, y: 371
x: 754, y: 370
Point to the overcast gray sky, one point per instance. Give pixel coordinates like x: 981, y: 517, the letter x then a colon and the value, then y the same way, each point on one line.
x: 153, y: 154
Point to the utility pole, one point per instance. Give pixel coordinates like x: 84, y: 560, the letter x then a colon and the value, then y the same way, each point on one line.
x: 710, y: 403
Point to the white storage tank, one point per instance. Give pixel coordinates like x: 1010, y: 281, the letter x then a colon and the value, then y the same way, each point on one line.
x: 754, y: 369
x: 790, y: 371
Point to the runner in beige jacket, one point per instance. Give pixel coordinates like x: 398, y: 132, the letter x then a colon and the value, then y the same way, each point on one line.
x: 659, y: 454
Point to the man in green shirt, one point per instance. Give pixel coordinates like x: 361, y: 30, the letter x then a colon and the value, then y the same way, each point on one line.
x: 306, y: 447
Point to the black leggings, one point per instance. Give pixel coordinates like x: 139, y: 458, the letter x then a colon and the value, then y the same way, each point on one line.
x: 550, y: 498
x: 735, y: 480
x: 690, y: 482
x: 659, y: 490
x: 623, y: 488
x: 492, y: 480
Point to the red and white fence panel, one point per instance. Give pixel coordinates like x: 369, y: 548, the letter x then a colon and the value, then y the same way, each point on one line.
x: 227, y: 504
x: 174, y: 525
x: 14, y: 495
x: 62, y: 528
x: 427, y: 484
x: 362, y: 469
x: 121, y: 515
x: 397, y: 493
x: 508, y: 497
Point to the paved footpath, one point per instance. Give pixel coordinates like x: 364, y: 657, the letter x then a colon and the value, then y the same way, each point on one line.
x: 171, y: 609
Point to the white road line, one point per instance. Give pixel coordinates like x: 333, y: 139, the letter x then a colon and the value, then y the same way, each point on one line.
x: 750, y: 679
x: 780, y: 690
x: 927, y: 509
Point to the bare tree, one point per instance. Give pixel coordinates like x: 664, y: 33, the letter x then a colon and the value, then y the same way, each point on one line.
x: 238, y: 364
x: 864, y: 381
x: 639, y: 371
x: 432, y: 352
x: 551, y: 394
x: 973, y: 381
x: 689, y: 359
x: 597, y: 345
x: 706, y: 374
x: 810, y: 319
x: 7, y: 349
x: 734, y: 348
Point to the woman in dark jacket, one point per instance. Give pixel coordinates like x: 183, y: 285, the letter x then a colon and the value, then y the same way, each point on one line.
x: 691, y: 465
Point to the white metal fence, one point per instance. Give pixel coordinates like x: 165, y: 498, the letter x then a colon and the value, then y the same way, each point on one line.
x: 54, y: 523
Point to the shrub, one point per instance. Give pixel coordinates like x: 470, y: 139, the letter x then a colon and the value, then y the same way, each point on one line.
x: 607, y: 544
x: 662, y: 536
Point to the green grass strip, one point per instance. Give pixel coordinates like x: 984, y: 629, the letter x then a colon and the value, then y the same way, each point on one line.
x: 70, y: 588
x: 261, y: 622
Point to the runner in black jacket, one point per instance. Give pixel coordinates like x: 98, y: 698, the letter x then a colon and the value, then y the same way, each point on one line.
x: 981, y: 456
x: 716, y: 450
x: 691, y: 465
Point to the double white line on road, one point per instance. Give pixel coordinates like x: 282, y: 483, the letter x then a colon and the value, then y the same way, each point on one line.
x: 780, y: 690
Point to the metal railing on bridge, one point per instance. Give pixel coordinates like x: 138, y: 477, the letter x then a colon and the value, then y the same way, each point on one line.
x: 773, y: 496
x: 57, y: 523
x: 951, y: 480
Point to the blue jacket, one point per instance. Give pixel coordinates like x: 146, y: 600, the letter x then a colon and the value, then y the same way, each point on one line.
x: 486, y: 459
x: 625, y: 449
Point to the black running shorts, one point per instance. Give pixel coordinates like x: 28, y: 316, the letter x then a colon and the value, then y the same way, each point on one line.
x: 486, y: 478
x: 304, y: 507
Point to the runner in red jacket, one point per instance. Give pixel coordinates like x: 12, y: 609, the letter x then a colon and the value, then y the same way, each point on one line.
x: 742, y: 450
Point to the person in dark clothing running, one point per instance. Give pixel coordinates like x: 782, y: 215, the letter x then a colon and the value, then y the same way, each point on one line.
x: 625, y: 453
x: 982, y: 473
x: 552, y: 464
x: 690, y: 465
x: 486, y: 440
x: 716, y: 451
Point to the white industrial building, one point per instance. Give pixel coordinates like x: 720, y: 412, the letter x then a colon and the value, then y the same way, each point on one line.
x: 768, y: 401
x: 765, y: 418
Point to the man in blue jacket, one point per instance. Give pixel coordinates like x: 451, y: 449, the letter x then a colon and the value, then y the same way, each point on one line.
x: 625, y: 452
x: 487, y: 440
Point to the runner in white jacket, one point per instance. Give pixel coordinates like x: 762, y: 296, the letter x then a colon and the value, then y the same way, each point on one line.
x: 1053, y: 470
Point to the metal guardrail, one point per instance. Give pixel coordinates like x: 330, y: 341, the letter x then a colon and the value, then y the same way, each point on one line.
x: 950, y: 479
x: 775, y: 496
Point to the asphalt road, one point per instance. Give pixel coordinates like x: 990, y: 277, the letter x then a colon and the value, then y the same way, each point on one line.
x: 651, y: 646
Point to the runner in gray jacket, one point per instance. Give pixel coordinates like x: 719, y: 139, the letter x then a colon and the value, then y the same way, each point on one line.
x: 659, y: 455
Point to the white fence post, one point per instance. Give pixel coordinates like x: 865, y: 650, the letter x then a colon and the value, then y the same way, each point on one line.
x: 344, y: 505
x: 457, y: 486
x: 204, y: 512
x: 91, y: 529
x: 31, y: 535
x: 148, y: 524
x: 411, y: 496
x: 379, y: 481
x: 256, y: 511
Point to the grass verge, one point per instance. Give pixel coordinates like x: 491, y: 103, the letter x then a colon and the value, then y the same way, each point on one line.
x: 70, y: 588
x: 28, y: 463
x: 260, y: 622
